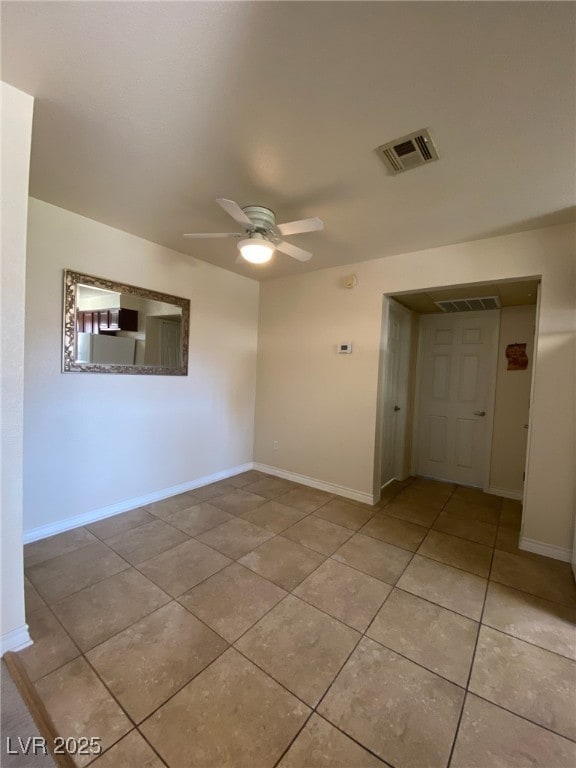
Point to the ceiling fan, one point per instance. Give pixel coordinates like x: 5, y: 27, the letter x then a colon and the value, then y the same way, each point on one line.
x: 261, y: 235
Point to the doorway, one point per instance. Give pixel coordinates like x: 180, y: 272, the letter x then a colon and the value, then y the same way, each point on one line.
x: 458, y: 364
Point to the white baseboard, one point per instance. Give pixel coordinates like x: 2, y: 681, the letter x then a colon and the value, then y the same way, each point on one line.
x: 548, y: 550
x: 516, y: 495
x: 321, y: 485
x: 15, y: 640
x: 43, y: 531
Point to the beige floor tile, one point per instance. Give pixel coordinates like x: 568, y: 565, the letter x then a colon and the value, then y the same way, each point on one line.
x: 100, y: 611
x: 461, y: 507
x: 226, y: 710
x: 305, y: 499
x: 542, y: 577
x: 478, y: 497
x: 433, y: 489
x: 148, y: 662
x: 529, y: 681
x: 16, y: 719
x: 320, y: 745
x: 449, y: 587
x: 301, y: 647
x: 270, y: 487
x: 458, y: 552
x: 245, y: 478
x: 231, y: 601
x: 345, y: 514
x: 412, y: 510
x: 273, y: 516
x: 401, y: 533
x: 146, y: 541
x: 318, y: 534
x: 130, y: 752
x: 390, y: 492
x: 549, y: 625
x: 363, y: 505
x: 474, y: 530
x: 184, y: 566
x: 511, y: 514
x: 212, y: 490
x: 80, y: 706
x: 61, y: 576
x: 376, y: 558
x: 116, y: 524
x: 167, y: 507
x: 405, y: 714
x: 235, y: 538
x: 438, y: 639
x: 507, y: 539
x: 345, y: 593
x: 52, y: 646
x: 238, y: 502
x: 283, y: 561
x: 490, y: 736
x: 198, y: 519
x: 45, y: 549
x: 32, y: 598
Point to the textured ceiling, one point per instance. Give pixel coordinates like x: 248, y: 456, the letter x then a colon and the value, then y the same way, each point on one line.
x: 146, y: 112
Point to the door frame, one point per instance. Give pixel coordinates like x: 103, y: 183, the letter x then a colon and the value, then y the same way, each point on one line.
x: 400, y: 470
x: 490, y: 400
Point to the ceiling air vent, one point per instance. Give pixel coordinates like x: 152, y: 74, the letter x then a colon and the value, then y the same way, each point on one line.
x: 469, y: 305
x: 408, y: 152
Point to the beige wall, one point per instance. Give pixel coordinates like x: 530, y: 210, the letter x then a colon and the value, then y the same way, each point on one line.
x: 92, y: 441
x: 512, y: 402
x: 321, y: 406
x: 16, y: 134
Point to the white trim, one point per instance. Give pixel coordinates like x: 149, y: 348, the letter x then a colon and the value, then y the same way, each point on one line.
x: 321, y: 485
x: 548, y: 550
x: 43, y: 531
x: 516, y: 495
x: 15, y: 640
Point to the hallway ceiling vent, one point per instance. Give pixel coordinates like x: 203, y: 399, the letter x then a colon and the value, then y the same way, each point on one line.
x: 469, y: 305
x: 408, y: 152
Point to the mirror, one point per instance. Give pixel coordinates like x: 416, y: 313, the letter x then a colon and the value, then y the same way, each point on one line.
x: 110, y: 327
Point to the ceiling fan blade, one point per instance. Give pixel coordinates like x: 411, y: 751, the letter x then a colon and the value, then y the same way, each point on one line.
x: 293, y: 250
x: 303, y: 225
x: 213, y: 234
x: 235, y: 211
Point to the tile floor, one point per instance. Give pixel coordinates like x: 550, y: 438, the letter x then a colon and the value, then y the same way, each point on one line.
x: 258, y: 623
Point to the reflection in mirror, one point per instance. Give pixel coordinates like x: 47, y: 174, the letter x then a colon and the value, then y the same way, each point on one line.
x: 114, y: 328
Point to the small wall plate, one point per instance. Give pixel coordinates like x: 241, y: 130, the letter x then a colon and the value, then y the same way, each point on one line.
x: 351, y: 281
x: 345, y: 348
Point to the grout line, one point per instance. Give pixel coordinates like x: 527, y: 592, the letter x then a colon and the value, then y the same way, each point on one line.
x: 522, y: 717
x: 291, y: 592
x: 473, y: 660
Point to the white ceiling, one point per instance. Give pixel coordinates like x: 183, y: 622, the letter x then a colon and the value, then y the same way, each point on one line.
x: 148, y: 111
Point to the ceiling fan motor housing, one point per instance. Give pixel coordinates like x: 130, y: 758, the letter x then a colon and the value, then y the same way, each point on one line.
x: 263, y: 219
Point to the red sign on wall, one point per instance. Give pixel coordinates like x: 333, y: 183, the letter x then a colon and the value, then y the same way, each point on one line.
x: 517, y: 357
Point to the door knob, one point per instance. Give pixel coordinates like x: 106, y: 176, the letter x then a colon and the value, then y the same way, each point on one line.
x: 479, y: 413
x: 396, y: 407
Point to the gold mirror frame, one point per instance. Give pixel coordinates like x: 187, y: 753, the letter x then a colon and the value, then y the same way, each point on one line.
x: 69, y: 364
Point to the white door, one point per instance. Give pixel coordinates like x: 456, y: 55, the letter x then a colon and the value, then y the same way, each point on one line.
x: 170, y: 343
x: 395, y: 392
x: 457, y: 374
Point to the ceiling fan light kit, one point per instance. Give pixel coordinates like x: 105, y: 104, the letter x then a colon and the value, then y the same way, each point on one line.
x: 262, y: 236
x: 256, y: 249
